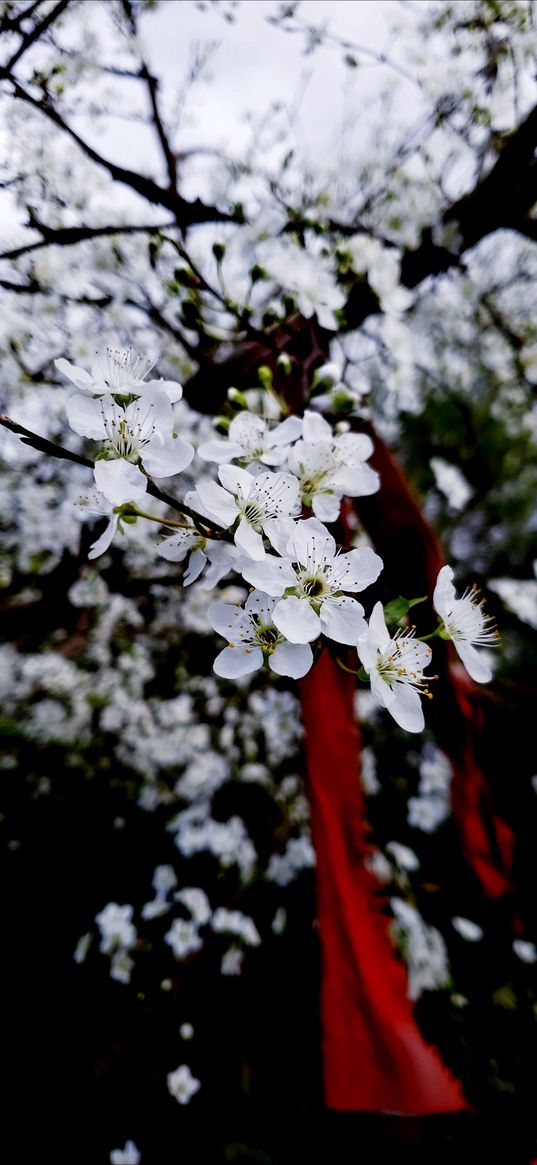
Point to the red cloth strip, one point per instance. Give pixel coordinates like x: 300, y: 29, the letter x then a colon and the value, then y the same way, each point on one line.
x: 375, y: 1058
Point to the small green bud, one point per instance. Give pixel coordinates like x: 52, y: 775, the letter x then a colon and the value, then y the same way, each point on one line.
x: 264, y: 375
x: 237, y: 398
x: 284, y: 363
x: 185, y: 277
x: 221, y: 424
x: 219, y: 251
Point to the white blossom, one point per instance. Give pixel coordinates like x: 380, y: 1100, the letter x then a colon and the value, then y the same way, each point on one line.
x: 138, y: 433
x: 451, y: 482
x: 164, y: 880
x: 129, y: 1155
x: 331, y: 467
x: 183, y: 937
x: 395, y: 668
x: 525, y: 951
x: 253, y: 638
x: 310, y: 277
x: 116, y: 927
x: 403, y: 856
x: 234, y: 922
x: 423, y: 947
x: 519, y: 596
x: 255, y: 501
x: 90, y: 506
x: 232, y: 961
x: 197, y: 902
x: 182, y: 1084
x: 298, y: 855
x: 119, y: 372
x: 214, y: 560
x: 251, y: 440
x: 467, y: 929
x: 311, y: 595
x: 465, y: 623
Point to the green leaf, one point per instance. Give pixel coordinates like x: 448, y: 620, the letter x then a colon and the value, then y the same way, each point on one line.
x: 398, y: 608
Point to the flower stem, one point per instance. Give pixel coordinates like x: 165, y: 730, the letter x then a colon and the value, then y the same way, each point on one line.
x: 433, y: 634
x: 133, y: 510
x: 361, y: 673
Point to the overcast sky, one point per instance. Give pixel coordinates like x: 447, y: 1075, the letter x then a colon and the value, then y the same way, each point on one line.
x: 256, y: 63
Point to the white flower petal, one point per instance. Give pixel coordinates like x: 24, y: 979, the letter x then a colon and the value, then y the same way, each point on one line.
x: 357, y: 569
x: 444, y: 592
x: 278, y: 531
x: 176, y: 548
x: 381, y: 690
x: 287, y: 431
x: 166, y: 458
x: 102, y: 543
x: 222, y: 558
x: 315, y: 428
x: 467, y: 929
x: 260, y: 604
x: 85, y: 416
x: 238, y: 661
x: 291, y: 659
x: 196, y: 564
x: 353, y: 447
x: 248, y: 540
x: 476, y: 666
x: 378, y: 632
x: 170, y: 388
x: 326, y: 506
x: 219, y: 450
x: 296, y: 619
x: 216, y: 502
x: 92, y: 504
x: 406, y: 709
x: 229, y: 620
x: 357, y: 481
x: 272, y: 575
x: 238, y: 481
x: 119, y: 480
x: 342, y: 619
x: 152, y: 413
x: 247, y: 430
x: 76, y: 375
x: 310, y: 540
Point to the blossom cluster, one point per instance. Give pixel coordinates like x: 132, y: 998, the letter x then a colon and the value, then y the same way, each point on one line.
x: 279, y: 482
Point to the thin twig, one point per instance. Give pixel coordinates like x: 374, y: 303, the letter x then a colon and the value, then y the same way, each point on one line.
x: 58, y: 451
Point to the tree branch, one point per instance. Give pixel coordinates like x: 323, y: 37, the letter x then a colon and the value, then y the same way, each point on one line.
x: 502, y: 199
x: 32, y: 36
x: 69, y: 236
x: 59, y: 451
x: 185, y: 213
x: 152, y: 88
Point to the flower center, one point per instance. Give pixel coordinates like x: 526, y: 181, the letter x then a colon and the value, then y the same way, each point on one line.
x: 120, y: 370
x: 468, y: 623
x: 268, y: 637
x: 127, y: 435
x: 403, y: 661
x: 313, y: 587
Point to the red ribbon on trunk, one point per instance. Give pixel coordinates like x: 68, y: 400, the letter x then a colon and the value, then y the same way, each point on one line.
x: 375, y: 1058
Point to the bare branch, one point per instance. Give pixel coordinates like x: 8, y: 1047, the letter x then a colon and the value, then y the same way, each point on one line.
x: 40, y: 443
x: 63, y: 454
x: 185, y: 213
x: 69, y: 236
x: 152, y: 88
x: 31, y: 37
